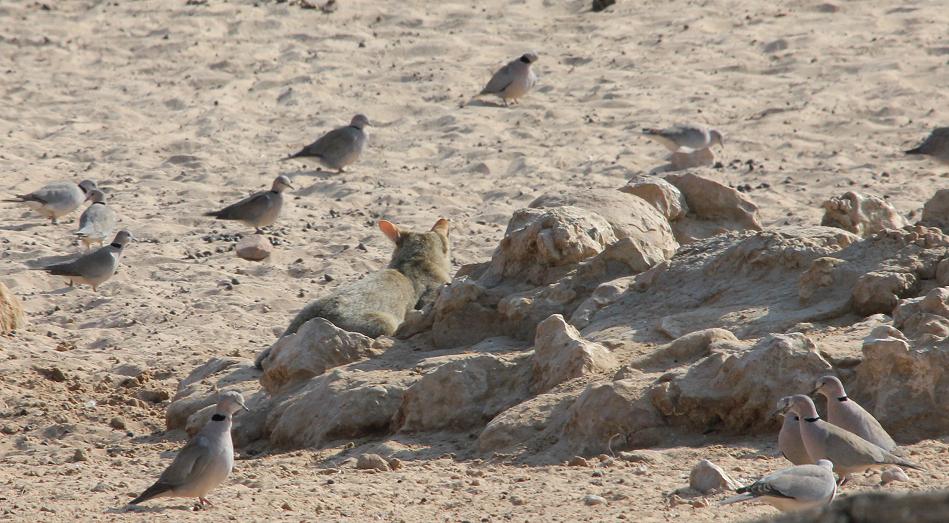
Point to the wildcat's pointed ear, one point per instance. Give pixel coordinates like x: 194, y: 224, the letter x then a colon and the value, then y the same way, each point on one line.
x: 390, y: 230
x: 441, y: 226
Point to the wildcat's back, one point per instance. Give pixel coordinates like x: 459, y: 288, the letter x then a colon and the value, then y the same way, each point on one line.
x: 377, y: 304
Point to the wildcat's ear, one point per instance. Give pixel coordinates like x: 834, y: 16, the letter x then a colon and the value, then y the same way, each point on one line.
x: 441, y: 226
x: 390, y: 230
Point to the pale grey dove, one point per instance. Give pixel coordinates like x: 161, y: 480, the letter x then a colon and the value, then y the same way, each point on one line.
x: 93, y: 268
x: 692, y: 137
x: 849, y: 453
x: 795, y: 488
x: 514, y: 80
x: 56, y: 199
x: 339, y: 147
x: 849, y: 415
x: 97, y: 222
x: 206, y: 460
x: 935, y: 145
x: 790, y: 443
x: 259, y: 209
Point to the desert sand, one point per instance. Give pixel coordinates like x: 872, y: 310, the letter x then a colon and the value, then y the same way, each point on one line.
x: 179, y: 108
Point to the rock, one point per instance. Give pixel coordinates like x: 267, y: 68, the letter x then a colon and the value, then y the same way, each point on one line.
x: 609, y: 416
x: 686, y: 158
x: 942, y: 272
x: 11, y: 313
x: 463, y: 393
x: 880, y: 291
x: 539, y: 418
x: 936, y: 211
x: 877, y: 507
x: 561, y: 354
x: 685, y: 349
x: 707, y: 477
x: 662, y: 195
x: 117, y: 423
x: 343, y: 403
x: 736, y: 388
x: 860, y: 214
x: 924, y: 319
x: 372, y: 462
x: 892, y: 474
x: 79, y: 455
x: 578, y: 461
x: 713, y: 208
x: 592, y: 500
x: 396, y: 464
x: 642, y: 456
x: 817, y: 278
x: 316, y: 347
x: 902, y: 387
x: 599, y: 5
x: 254, y: 248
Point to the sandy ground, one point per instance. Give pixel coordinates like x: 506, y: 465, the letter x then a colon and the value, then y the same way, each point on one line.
x: 175, y: 109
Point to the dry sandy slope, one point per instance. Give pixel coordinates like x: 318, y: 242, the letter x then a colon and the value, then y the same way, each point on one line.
x: 176, y: 108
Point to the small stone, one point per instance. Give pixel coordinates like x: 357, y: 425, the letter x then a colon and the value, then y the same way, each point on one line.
x: 708, y: 477
x: 117, y: 423
x: 700, y: 503
x: 517, y: 501
x: 79, y: 455
x: 372, y: 462
x: 642, y: 456
x: 577, y: 461
x: 599, y: 5
x: 395, y: 464
x: 892, y: 474
x: 286, y: 506
x: 591, y: 500
x: 254, y: 248
x: 101, y: 487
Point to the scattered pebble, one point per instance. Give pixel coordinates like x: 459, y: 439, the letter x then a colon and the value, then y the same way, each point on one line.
x: 592, y: 500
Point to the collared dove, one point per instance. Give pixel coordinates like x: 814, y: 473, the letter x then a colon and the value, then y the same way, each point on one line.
x: 514, y: 80
x: 935, y: 145
x: 205, y: 462
x: 849, y: 415
x: 259, y: 209
x: 849, y: 453
x: 795, y: 488
x: 790, y: 443
x: 93, y: 268
x: 692, y: 137
x: 339, y: 147
x: 56, y: 199
x: 97, y: 222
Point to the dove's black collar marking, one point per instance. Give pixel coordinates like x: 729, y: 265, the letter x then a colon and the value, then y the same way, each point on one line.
x: 218, y: 417
x: 844, y: 398
x: 116, y: 245
x: 811, y: 420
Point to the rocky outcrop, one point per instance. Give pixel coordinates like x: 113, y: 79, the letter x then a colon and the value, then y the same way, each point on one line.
x: 612, y: 415
x: 662, y: 195
x: 936, y: 211
x: 11, y: 313
x: 862, y: 215
x: 713, y: 208
x: 561, y: 354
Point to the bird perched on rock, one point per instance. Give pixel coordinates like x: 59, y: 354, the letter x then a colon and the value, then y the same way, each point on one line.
x: 514, y: 80
x: 795, y: 488
x: 97, y: 222
x: 935, y: 145
x: 259, y: 209
x: 849, y: 415
x: 340, y: 147
x: 849, y: 453
x: 693, y: 137
x: 205, y: 462
x: 56, y: 199
x: 95, y: 267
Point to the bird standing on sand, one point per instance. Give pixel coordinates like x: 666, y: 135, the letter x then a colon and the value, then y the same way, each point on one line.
x: 790, y: 443
x: 514, y: 80
x: 849, y: 415
x: 935, y: 145
x: 259, y: 209
x: 97, y: 222
x: 849, y: 453
x: 795, y: 488
x: 339, y: 147
x: 205, y: 462
x: 694, y: 137
x: 95, y: 267
x: 56, y: 199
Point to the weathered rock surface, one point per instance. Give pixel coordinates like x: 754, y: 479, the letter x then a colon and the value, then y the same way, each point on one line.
x: 612, y: 415
x: 561, y: 354
x: 11, y: 313
x: 713, y: 208
x: 936, y: 211
x: 686, y: 349
x: 662, y: 195
x: 861, y: 214
x: 316, y: 347
x: 877, y: 507
x: 707, y: 477
x: 254, y: 248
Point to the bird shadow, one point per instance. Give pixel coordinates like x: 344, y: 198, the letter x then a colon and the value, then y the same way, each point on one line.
x: 125, y: 509
x: 23, y: 226
x: 484, y: 103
